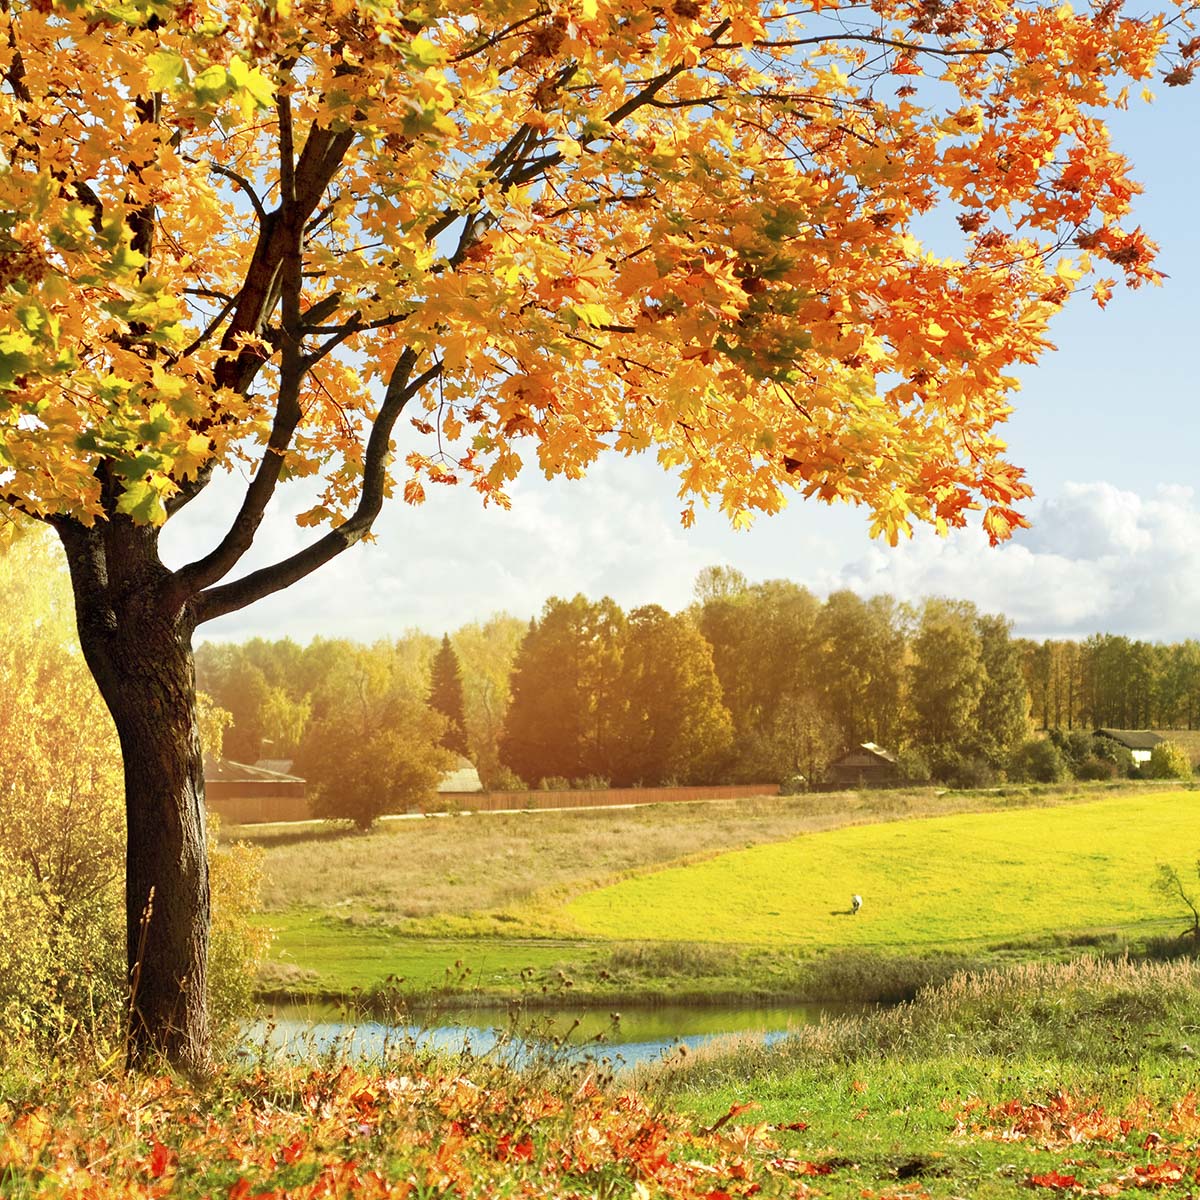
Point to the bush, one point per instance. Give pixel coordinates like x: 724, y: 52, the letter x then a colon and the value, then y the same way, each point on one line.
x: 914, y: 766
x: 1168, y: 760
x: 505, y: 779
x: 554, y: 783
x: 1097, y: 769
x: 591, y: 783
x: 963, y: 771
x: 1076, y: 745
x: 1038, y: 760
x: 236, y: 946
x: 793, y: 785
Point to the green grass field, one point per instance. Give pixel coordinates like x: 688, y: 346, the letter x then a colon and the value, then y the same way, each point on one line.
x: 940, y: 882
x: 739, y: 899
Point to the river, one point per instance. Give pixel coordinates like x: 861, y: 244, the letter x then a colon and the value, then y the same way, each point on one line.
x: 635, y: 1036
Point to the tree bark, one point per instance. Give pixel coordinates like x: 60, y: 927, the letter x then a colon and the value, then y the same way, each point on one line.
x: 136, y: 638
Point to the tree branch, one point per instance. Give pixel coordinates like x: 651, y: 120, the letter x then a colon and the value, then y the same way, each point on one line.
x: 216, y: 602
x: 242, y: 182
x: 239, y: 537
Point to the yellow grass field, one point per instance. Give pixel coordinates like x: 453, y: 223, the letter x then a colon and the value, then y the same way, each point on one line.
x: 942, y: 881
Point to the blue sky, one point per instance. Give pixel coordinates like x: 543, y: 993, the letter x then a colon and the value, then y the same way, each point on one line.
x: 1106, y: 428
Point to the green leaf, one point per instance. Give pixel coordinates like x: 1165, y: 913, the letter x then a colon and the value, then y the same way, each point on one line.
x: 141, y: 501
x: 167, y: 70
x: 136, y: 469
x: 252, y: 82
x: 423, y: 53
x: 159, y: 424
x: 211, y: 84
x: 15, y: 356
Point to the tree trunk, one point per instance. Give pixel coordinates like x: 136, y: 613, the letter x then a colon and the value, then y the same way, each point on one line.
x: 137, y: 642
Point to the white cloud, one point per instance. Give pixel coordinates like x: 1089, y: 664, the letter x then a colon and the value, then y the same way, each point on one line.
x: 1097, y: 559
x: 450, y: 560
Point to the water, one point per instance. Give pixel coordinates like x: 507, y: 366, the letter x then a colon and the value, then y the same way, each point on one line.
x: 639, y: 1036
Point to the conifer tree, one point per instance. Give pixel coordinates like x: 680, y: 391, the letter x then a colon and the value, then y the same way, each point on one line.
x: 446, y: 696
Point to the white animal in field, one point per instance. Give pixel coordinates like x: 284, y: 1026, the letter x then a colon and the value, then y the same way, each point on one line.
x: 855, y: 903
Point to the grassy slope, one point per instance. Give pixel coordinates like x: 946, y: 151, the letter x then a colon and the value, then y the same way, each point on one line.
x: 502, y: 894
x: 939, y: 882
x: 980, y: 1086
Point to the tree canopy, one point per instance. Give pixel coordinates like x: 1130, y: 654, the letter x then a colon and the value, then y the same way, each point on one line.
x: 256, y: 234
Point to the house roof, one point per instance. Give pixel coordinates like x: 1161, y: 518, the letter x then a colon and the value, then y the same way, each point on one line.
x: 279, y: 766
x: 871, y: 750
x: 462, y: 777
x: 225, y: 770
x: 1132, y: 739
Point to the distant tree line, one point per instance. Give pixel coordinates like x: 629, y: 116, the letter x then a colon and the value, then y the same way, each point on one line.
x: 1109, y: 681
x: 753, y: 682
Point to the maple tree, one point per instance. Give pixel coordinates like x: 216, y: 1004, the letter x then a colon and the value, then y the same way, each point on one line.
x: 256, y: 235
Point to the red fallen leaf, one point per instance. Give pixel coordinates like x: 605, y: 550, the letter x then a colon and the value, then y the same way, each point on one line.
x: 1154, y: 1174
x: 1055, y: 1180
x: 293, y: 1150
x: 734, y: 1111
x: 798, y: 1126
x: 160, y: 1159
x: 1152, y: 1140
x: 717, y: 1196
x: 506, y: 1148
x: 240, y: 1190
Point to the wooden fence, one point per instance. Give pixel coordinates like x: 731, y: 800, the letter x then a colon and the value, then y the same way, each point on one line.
x: 243, y: 810
x: 597, y: 798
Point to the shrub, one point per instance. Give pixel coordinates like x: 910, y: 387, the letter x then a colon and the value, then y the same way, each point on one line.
x: 963, y: 770
x: 1094, y: 768
x: 793, y: 785
x: 383, y: 772
x: 554, y: 783
x: 591, y: 783
x: 1038, y: 760
x: 236, y: 947
x: 1077, y: 745
x: 505, y: 779
x: 1168, y: 760
x: 914, y: 766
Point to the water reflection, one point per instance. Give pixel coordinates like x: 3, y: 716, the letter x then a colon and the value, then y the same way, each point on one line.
x: 638, y: 1036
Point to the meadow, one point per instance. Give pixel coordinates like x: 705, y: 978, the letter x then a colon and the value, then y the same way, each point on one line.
x: 723, y: 899
x: 942, y: 882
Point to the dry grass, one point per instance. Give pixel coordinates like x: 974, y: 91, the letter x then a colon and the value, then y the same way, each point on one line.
x: 461, y: 866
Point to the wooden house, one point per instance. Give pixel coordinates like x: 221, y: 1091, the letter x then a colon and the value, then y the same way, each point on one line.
x: 1139, y: 742
x: 864, y: 765
x: 241, y: 794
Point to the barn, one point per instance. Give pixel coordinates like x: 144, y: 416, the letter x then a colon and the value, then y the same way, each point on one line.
x: 1139, y: 742
x: 864, y: 765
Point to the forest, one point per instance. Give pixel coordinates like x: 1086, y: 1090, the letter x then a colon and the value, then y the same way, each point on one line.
x: 753, y: 682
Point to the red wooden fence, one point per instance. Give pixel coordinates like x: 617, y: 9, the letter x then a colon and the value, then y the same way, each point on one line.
x: 249, y: 810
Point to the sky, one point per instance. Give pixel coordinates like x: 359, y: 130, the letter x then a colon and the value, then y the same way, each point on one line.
x: 1106, y: 427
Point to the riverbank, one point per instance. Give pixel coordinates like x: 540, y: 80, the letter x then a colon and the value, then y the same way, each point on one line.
x: 1070, y: 1079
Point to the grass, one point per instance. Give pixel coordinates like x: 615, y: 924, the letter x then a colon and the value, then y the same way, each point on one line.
x: 1071, y: 1078
x: 547, y: 902
x: 409, y: 871
x: 979, y: 1086
x: 963, y: 880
